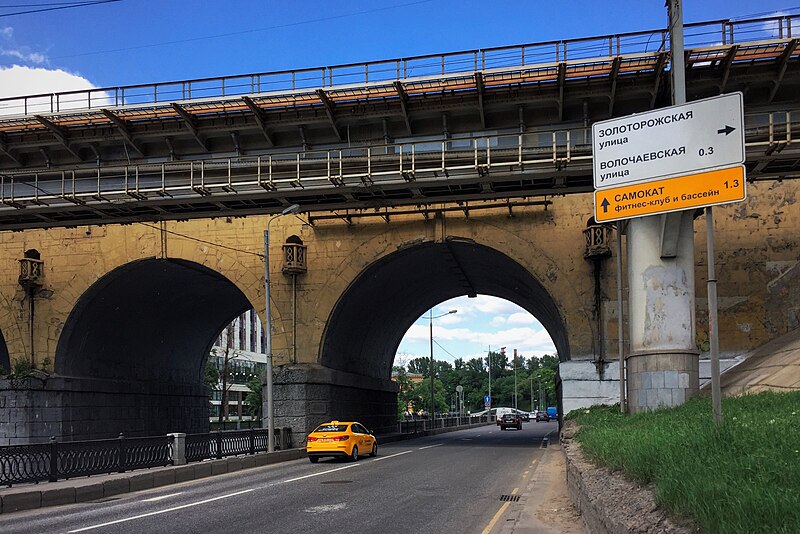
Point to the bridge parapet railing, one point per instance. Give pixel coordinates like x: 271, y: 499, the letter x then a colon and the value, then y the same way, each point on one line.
x: 63, y: 460
x: 353, y: 167
x: 699, y: 34
x: 529, y: 152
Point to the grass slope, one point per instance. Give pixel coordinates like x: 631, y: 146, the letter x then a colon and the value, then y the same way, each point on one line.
x: 741, y: 477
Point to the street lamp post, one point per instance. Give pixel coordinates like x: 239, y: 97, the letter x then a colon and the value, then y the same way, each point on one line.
x: 431, y: 317
x: 268, y: 332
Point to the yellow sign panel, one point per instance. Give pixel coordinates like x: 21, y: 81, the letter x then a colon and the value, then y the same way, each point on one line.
x: 671, y: 194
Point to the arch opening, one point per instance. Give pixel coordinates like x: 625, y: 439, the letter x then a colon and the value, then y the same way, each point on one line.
x: 5, y: 359
x: 368, y: 323
x: 139, y: 338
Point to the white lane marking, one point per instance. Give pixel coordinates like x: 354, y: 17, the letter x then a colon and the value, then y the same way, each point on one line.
x: 324, y: 508
x: 379, y: 458
x: 158, y: 512
x: 321, y: 473
x: 431, y: 446
x: 198, y: 503
x: 154, y: 499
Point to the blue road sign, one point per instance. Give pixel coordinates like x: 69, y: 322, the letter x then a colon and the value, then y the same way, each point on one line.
x: 487, y: 400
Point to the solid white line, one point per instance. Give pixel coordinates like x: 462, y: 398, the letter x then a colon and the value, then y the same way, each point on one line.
x: 163, y: 511
x: 431, y: 446
x: 321, y: 473
x: 154, y: 499
x: 379, y: 458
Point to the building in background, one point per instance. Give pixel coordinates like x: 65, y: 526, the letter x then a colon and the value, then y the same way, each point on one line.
x: 239, y: 347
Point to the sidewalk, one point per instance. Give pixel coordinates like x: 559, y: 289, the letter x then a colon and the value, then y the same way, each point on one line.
x: 544, y: 506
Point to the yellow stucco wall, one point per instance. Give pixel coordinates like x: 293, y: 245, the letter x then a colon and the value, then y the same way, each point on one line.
x: 757, y: 244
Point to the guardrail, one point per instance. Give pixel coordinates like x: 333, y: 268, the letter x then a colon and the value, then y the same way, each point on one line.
x: 389, y: 164
x: 63, y: 460
x: 708, y: 33
x: 418, y: 425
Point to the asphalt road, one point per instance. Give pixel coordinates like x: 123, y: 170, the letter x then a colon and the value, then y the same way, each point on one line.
x: 447, y: 483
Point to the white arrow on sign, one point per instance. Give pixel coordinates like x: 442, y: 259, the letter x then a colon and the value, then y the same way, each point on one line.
x: 675, y: 141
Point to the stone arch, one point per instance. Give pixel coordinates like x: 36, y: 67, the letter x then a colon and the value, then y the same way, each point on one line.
x: 140, y: 337
x: 363, y: 332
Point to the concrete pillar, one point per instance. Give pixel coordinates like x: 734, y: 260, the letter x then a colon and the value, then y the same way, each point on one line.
x: 662, y: 364
x: 178, y: 448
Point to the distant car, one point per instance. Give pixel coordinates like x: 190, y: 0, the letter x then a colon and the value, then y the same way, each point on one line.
x: 542, y: 416
x: 524, y: 416
x: 342, y: 440
x: 552, y: 412
x: 511, y: 420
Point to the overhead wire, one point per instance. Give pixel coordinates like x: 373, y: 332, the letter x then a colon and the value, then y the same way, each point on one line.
x: 245, y: 32
x: 53, y: 7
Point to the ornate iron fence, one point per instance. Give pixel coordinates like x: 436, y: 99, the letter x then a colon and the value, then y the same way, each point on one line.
x: 55, y: 460
x: 233, y: 443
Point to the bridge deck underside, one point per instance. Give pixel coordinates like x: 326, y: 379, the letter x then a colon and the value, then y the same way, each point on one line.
x: 475, y: 136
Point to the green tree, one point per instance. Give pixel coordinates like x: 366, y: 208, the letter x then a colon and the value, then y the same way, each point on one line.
x: 405, y: 386
x: 421, y: 366
x: 421, y: 396
x: 254, y: 400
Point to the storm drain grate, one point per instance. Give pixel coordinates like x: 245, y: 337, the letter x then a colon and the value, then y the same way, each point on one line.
x: 509, y: 498
x: 337, y: 482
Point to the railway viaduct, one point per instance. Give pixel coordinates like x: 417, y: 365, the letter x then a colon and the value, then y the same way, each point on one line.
x: 139, y: 212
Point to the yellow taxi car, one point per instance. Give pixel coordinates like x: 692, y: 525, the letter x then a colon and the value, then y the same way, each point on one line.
x: 340, y: 439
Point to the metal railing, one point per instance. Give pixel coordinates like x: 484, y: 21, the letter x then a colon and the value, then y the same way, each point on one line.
x: 63, y: 460
x: 389, y: 164
x: 698, y: 34
x: 418, y: 425
x: 225, y: 443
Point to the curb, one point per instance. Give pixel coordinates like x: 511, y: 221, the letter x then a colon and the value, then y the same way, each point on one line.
x: 104, y: 486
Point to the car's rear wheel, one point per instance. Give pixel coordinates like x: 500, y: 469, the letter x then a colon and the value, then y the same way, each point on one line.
x: 354, y: 454
x: 313, y: 459
x: 374, y: 450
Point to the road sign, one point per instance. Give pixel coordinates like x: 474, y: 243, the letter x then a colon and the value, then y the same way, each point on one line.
x: 670, y: 194
x: 487, y: 401
x: 687, y: 139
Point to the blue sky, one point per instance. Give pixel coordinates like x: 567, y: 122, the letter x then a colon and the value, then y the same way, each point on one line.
x: 145, y: 41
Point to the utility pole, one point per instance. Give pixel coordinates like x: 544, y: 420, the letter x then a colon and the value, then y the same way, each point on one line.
x: 489, y: 360
x: 515, y: 379
x: 531, y: 376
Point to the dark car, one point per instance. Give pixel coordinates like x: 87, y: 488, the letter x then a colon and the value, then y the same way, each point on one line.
x: 524, y: 416
x: 542, y: 416
x: 511, y: 420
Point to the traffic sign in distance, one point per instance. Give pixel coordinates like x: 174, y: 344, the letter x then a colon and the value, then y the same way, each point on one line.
x: 687, y: 139
x: 671, y: 194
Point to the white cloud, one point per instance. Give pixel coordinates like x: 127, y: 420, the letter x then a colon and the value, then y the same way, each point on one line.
x: 498, y: 320
x: 521, y: 318
x: 7, y: 32
x: 31, y: 57
x: 20, y: 80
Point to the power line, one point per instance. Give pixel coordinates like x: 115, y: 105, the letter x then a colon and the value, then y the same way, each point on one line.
x: 55, y: 7
x: 245, y: 32
x: 219, y: 245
